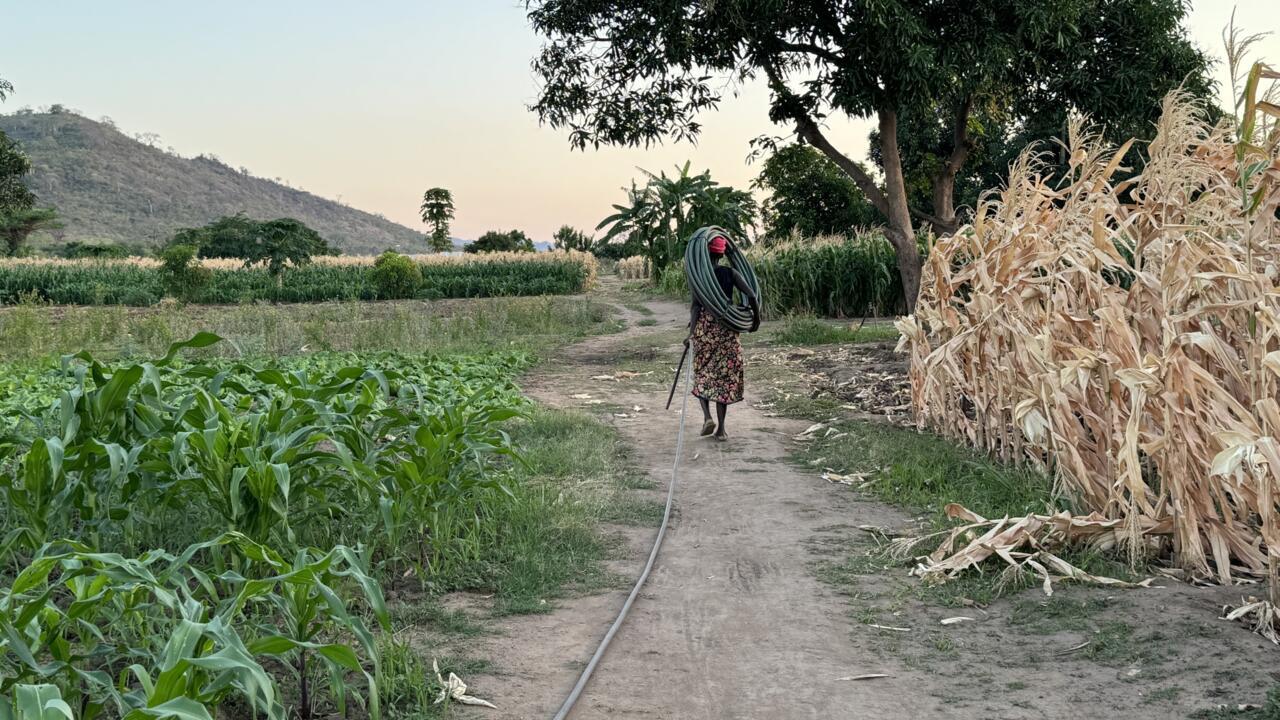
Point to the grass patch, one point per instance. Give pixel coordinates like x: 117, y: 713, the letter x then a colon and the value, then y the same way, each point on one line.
x: 576, y: 474
x: 925, y: 472
x: 812, y: 331
x: 428, y: 613
x: 638, y: 308
x: 532, y: 324
x: 1056, y: 614
x: 1270, y: 710
x: 647, y: 322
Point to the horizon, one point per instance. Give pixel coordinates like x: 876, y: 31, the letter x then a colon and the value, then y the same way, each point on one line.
x: 414, y: 108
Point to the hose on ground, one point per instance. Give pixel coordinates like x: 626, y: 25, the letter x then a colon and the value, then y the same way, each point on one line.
x: 572, y: 700
x: 700, y: 273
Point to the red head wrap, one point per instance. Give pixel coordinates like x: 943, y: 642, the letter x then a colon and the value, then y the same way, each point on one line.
x: 718, y: 245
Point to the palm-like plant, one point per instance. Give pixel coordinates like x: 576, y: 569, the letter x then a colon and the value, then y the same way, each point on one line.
x: 437, y: 211
x: 667, y: 210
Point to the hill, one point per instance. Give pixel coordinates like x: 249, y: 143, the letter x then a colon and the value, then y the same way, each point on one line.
x: 108, y: 186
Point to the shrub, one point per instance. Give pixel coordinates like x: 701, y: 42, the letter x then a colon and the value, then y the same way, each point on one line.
x: 184, y: 277
x: 395, y: 276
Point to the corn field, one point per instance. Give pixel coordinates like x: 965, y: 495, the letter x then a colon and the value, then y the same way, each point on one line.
x: 635, y: 267
x: 829, y: 276
x: 1124, y: 336
x: 139, y: 281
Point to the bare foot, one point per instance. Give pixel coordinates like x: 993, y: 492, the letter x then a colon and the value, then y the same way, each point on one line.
x: 722, y: 437
x: 708, y: 427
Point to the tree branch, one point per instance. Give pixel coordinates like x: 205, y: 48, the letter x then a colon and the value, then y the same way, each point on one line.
x: 959, y: 138
x: 927, y: 217
x: 811, y: 49
x: 807, y: 128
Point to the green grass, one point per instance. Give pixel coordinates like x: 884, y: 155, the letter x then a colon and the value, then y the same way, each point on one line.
x: 576, y: 474
x: 924, y: 472
x: 1045, y: 616
x: 34, y: 331
x: 647, y: 322
x: 638, y: 308
x: 811, y: 331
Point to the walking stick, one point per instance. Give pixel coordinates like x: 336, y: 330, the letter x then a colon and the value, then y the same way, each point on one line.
x: 679, y: 367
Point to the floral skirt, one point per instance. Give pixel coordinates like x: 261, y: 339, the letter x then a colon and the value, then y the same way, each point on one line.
x: 717, y: 361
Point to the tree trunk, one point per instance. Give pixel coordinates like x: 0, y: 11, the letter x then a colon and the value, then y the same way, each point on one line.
x: 944, y: 220
x: 899, y: 232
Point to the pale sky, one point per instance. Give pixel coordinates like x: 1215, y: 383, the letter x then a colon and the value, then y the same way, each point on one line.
x: 375, y: 102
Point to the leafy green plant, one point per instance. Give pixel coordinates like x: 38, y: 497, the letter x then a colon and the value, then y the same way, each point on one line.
x: 395, y: 276
x: 184, y: 276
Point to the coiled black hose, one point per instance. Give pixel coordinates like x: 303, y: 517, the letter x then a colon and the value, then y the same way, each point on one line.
x: 700, y: 273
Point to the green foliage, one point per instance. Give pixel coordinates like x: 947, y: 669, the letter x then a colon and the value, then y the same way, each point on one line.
x: 437, y: 211
x: 18, y: 224
x: 662, y: 215
x: 568, y: 238
x: 274, y: 244
x: 612, y: 73
x: 133, y: 284
x: 396, y: 276
x: 162, y: 521
x: 184, y: 277
x: 810, y: 196
x: 835, y: 277
x: 14, y: 165
x: 76, y: 250
x: 495, y: 241
x: 811, y: 331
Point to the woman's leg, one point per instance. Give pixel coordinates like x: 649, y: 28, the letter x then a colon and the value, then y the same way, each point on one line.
x: 708, y: 425
x: 721, y: 409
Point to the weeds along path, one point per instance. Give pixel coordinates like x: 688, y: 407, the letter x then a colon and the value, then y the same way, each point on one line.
x: 732, y: 623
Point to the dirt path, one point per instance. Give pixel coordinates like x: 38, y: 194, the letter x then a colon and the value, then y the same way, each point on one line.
x: 732, y: 624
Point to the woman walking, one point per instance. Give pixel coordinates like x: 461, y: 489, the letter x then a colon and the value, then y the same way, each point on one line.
x: 717, y: 352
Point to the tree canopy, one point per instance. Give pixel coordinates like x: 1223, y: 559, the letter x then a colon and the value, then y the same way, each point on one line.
x: 495, y: 241
x: 19, y: 216
x: 437, y: 211
x: 272, y: 243
x: 569, y: 238
x: 810, y: 196
x: 616, y: 72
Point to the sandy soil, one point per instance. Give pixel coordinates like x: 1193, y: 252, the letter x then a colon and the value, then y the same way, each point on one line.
x: 734, y: 622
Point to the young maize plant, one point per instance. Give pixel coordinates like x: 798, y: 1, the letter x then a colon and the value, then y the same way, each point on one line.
x: 1124, y: 336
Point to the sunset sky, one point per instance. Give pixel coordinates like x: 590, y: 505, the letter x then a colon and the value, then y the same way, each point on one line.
x: 374, y: 102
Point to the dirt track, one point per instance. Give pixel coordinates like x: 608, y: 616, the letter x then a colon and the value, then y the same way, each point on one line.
x: 734, y: 624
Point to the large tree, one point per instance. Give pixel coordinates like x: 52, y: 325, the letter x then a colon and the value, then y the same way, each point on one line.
x: 496, y: 241
x: 274, y: 244
x: 437, y: 211
x: 622, y: 72
x: 570, y: 238
x: 810, y: 196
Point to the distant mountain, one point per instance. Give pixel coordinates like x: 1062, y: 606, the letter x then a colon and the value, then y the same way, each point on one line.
x: 107, y: 186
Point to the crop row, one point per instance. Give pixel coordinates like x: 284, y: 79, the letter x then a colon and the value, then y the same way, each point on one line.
x: 188, y: 540
x: 141, y: 282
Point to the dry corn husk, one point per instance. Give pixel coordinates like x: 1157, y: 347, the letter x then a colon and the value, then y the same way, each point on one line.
x: 1154, y: 401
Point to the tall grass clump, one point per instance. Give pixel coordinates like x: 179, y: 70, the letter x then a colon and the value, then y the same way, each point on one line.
x: 1126, y: 337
